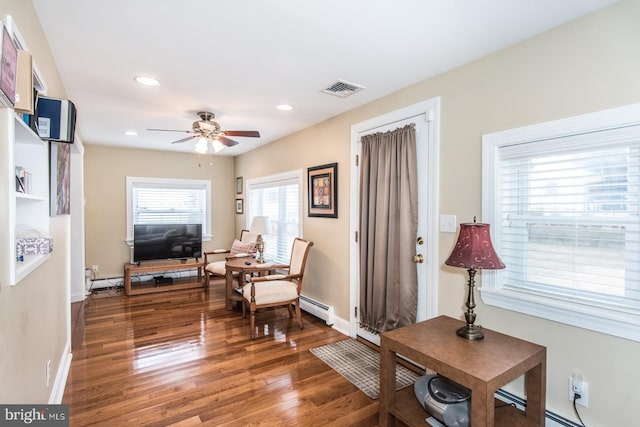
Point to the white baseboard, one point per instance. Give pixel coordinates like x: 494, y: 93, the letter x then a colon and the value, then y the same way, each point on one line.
x: 341, y: 325
x: 78, y: 297
x: 57, y: 391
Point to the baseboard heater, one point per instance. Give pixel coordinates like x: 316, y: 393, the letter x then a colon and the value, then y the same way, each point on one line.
x: 318, y: 309
x: 551, y: 419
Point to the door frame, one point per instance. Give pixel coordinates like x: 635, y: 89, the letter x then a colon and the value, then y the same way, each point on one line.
x: 431, y: 110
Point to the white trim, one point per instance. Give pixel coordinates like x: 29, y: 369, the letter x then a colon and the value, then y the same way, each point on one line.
x: 624, y: 326
x: 431, y: 110
x: 282, y: 176
x: 341, y: 325
x: 57, y: 391
x: 196, y: 183
x: 615, y: 323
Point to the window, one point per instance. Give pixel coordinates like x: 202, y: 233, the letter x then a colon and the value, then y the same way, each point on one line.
x: 278, y: 197
x: 563, y: 201
x: 168, y: 201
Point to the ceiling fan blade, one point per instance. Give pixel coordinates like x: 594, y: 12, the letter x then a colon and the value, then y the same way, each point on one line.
x: 171, y: 130
x: 226, y: 141
x: 249, y: 133
x: 184, y: 139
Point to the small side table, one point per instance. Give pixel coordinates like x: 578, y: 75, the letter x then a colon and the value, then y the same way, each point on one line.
x: 243, y: 266
x: 482, y: 366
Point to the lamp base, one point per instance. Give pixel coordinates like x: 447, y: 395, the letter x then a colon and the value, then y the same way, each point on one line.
x: 470, y: 332
x: 260, y: 249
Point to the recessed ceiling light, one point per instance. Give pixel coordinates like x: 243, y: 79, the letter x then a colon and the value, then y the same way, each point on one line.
x: 130, y: 133
x: 284, y: 107
x: 147, y: 81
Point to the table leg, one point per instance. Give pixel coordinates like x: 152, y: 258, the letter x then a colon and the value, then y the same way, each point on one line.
x: 535, y: 388
x: 387, y: 384
x: 482, y: 407
x: 127, y: 281
x: 228, y: 279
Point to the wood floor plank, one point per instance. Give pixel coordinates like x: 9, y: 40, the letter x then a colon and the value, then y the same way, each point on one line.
x: 181, y: 359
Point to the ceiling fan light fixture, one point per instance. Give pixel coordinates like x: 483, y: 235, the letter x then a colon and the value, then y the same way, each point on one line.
x: 146, y: 81
x: 217, y: 146
x: 202, y: 146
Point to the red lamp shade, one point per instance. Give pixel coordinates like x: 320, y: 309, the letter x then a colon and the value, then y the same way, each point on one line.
x: 474, y: 249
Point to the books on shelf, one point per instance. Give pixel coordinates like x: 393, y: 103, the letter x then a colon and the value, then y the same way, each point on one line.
x: 23, y: 180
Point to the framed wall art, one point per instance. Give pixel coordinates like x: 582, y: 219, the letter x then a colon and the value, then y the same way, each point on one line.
x: 8, y: 67
x: 239, y: 206
x: 60, y: 174
x: 239, y: 185
x: 323, y: 190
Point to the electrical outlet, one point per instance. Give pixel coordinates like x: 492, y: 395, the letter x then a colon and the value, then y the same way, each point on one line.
x: 577, y: 386
x: 48, y: 373
x: 94, y: 268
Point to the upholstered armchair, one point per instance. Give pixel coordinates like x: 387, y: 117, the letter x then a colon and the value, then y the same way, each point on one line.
x: 240, y: 248
x: 278, y: 289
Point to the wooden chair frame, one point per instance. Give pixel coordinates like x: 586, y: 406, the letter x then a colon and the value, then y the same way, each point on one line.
x: 207, y: 255
x: 296, y: 277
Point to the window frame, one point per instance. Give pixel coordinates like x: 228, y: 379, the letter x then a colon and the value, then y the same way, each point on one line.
x: 599, y: 318
x: 263, y: 181
x: 131, y: 181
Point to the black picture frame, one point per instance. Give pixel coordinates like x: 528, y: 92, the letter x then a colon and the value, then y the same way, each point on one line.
x: 323, y: 190
x: 239, y: 206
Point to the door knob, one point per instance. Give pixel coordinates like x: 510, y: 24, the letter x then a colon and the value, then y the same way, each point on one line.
x: 418, y: 259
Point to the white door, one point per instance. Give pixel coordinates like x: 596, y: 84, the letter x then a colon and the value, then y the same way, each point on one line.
x: 426, y: 240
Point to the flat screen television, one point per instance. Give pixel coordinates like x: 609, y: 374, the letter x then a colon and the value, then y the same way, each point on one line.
x: 166, y: 241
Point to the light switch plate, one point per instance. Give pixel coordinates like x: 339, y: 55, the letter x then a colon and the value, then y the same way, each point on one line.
x: 448, y: 223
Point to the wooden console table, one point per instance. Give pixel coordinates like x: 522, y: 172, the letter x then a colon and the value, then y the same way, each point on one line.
x: 482, y: 366
x: 158, y: 267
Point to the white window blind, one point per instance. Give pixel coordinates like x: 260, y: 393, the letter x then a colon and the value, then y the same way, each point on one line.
x: 167, y: 201
x: 569, y: 221
x: 565, y: 215
x: 277, y: 197
x: 168, y: 205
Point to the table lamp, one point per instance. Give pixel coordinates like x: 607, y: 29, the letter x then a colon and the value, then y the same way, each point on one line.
x: 260, y: 225
x: 473, y: 251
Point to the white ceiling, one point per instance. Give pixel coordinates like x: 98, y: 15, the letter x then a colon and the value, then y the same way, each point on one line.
x: 239, y: 58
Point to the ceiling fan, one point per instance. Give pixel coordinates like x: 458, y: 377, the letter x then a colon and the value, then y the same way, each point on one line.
x: 209, y: 131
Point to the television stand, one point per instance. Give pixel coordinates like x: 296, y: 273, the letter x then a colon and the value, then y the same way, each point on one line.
x: 150, y: 286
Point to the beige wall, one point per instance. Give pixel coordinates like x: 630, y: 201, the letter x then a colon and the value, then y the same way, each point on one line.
x: 34, y: 315
x: 588, y: 65
x: 106, y: 170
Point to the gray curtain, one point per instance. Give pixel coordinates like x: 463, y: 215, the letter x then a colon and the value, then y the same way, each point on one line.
x: 388, y: 230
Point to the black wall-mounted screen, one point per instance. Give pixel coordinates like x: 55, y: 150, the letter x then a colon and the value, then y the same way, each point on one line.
x: 166, y: 241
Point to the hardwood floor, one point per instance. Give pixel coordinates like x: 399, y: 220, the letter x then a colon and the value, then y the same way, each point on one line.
x: 179, y: 358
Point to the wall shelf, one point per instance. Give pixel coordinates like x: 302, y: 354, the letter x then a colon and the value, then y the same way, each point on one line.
x: 21, y: 146
x: 27, y: 196
x: 30, y: 263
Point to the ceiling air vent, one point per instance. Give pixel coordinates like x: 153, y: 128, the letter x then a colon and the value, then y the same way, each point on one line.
x: 343, y: 88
